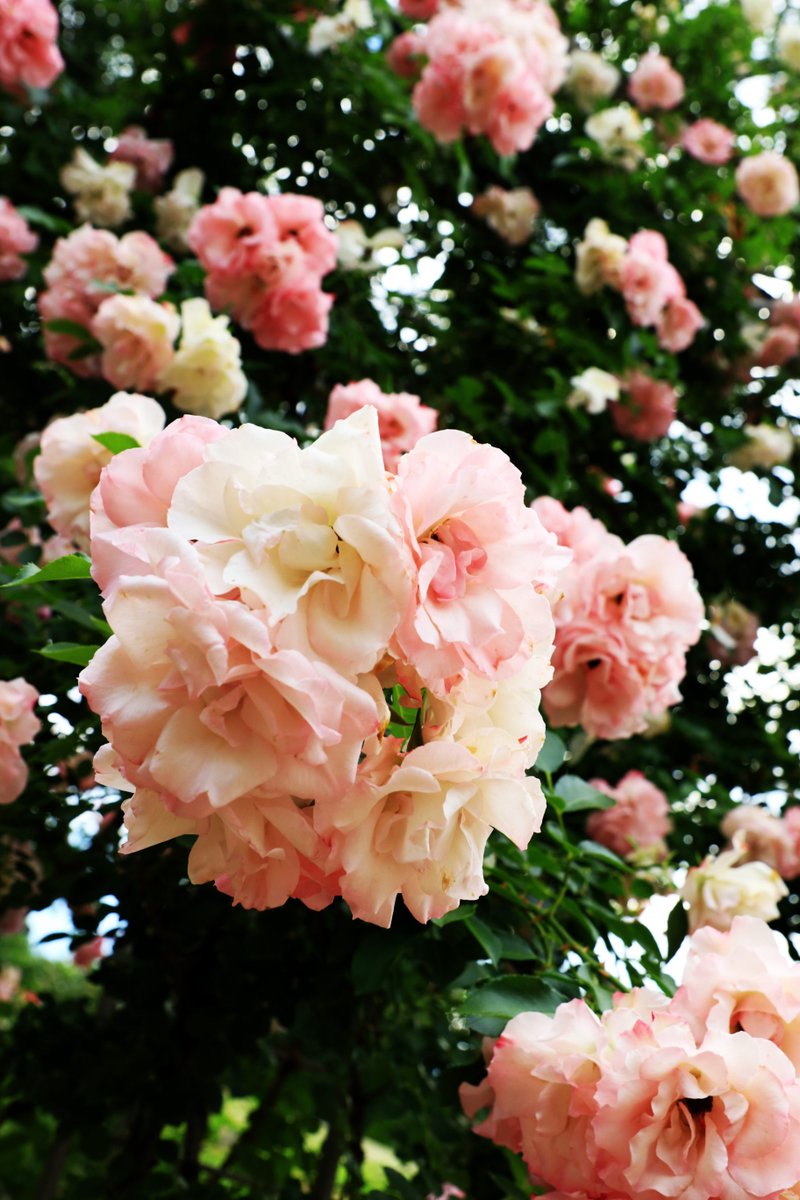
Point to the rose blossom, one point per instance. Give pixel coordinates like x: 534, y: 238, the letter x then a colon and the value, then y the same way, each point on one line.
x: 675, y: 1118
x: 176, y: 209
x: 327, y: 32
x: 639, y: 821
x: 732, y: 633
x: 419, y: 10
x: 742, y: 979
x: 590, y: 78
x: 29, y: 55
x: 402, y: 418
x: 780, y: 346
x: 479, y: 557
x: 151, y: 157
x: 137, y: 335
x: 406, y: 54
x: 625, y: 617
x: 70, y: 462
x: 655, y: 83
x: 102, y: 193
x: 647, y: 280
x: 765, y: 446
x: 765, y: 838
x: 265, y: 257
x: 18, y: 726
x: 599, y: 258
x: 679, y: 322
x: 16, y: 238
x: 788, y: 41
x: 709, y: 142
x: 416, y: 824
x: 649, y: 409
x: 768, y: 184
x: 205, y: 374
x: 81, y: 262
x: 592, y: 390
x: 761, y: 15
x: 512, y: 214
x: 319, y: 547
x: 618, y: 132
x: 721, y: 889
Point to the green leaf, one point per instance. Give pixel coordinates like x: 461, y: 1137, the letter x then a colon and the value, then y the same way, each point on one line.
x: 71, y: 566
x: 36, y: 216
x: 462, y: 913
x: 496, y: 1002
x: 69, y: 652
x: 594, y: 850
x: 115, y: 442
x: 577, y: 794
x: 485, y: 937
x: 72, y: 329
x: 677, y: 929
x: 552, y: 753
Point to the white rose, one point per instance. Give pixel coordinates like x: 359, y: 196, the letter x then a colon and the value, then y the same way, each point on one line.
x: 598, y: 258
x: 329, y: 32
x: 592, y: 390
x: 102, y: 194
x: 789, y: 42
x: 590, y: 78
x: 766, y: 446
x: 618, y: 132
x: 205, y: 375
x: 760, y: 14
x: 175, y: 210
x: 719, y: 890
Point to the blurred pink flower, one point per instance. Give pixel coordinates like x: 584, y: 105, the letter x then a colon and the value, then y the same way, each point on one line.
x: 768, y: 184
x: 655, y: 83
x: 152, y: 157
x: 402, y: 418
x: 709, y: 142
x: 16, y: 238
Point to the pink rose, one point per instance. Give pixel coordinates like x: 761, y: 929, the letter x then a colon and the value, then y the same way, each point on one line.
x: 742, y: 979
x: 152, y: 157
x: 479, y: 557
x: 511, y: 213
x: 137, y: 335
x: 18, y: 726
x: 766, y: 839
x: 206, y: 672
x: 419, y: 10
x: 678, y: 324
x: 639, y: 821
x: 648, y: 410
x: 539, y: 1088
x: 626, y: 616
x: 29, y: 55
x: 265, y: 257
x: 675, y: 1118
x: 16, y: 238
x: 786, y: 312
x: 70, y: 462
x: 438, y: 97
x: 416, y: 825
x: 576, y: 529
x: 647, y: 280
x: 402, y: 418
x: 655, y: 83
x: 709, y: 142
x: 406, y: 53
x: 293, y: 317
x: 768, y: 184
x: 780, y: 346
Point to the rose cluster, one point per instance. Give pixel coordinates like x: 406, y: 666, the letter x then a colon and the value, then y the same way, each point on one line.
x: 265, y: 257
x: 639, y: 268
x: 328, y: 674
x: 29, y: 55
x: 102, y: 191
x: 696, y: 1097
x: 637, y: 823
x: 86, y: 269
x: 767, y: 839
x: 625, y: 619
x: 492, y: 67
